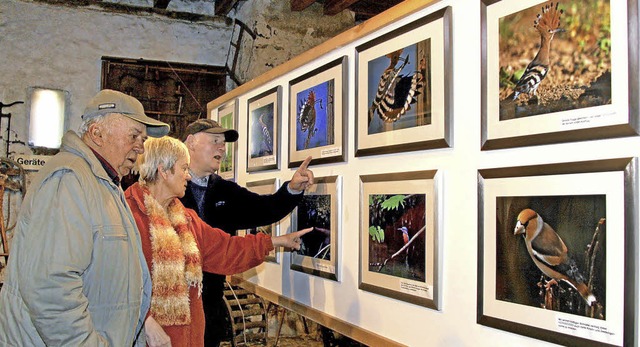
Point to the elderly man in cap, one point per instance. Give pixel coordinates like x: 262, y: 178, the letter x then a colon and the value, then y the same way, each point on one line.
x: 224, y: 204
x: 77, y: 275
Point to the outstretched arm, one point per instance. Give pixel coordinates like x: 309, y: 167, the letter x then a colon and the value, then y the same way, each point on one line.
x: 291, y: 240
x: 226, y: 255
x: 229, y: 206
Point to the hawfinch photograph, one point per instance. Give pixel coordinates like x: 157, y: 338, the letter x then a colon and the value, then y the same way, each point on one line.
x: 551, y: 253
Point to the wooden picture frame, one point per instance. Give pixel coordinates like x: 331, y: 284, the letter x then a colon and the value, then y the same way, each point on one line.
x: 264, y: 187
x: 588, y: 85
x: 263, y: 126
x: 227, y: 116
x: 593, y: 208
x: 404, y: 88
x: 318, y: 114
x: 320, y: 208
x: 400, y: 252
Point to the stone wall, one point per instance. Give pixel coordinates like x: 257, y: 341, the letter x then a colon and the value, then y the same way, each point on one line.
x: 282, y: 34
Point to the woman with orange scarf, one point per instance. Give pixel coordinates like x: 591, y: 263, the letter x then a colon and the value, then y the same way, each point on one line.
x: 178, y: 245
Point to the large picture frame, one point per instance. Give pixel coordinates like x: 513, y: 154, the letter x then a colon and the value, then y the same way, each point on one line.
x: 227, y: 117
x: 581, y: 85
x: 320, y: 208
x: 318, y: 114
x: 263, y: 127
x: 543, y: 227
x: 264, y: 187
x: 400, y: 217
x: 404, y: 88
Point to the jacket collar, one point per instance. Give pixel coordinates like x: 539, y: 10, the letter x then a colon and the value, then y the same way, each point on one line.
x: 113, y: 174
x: 72, y: 143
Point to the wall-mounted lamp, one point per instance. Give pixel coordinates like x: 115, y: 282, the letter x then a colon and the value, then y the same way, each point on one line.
x: 47, y: 116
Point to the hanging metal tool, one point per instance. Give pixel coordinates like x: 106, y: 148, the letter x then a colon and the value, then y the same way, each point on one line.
x: 235, y: 45
x: 8, y: 117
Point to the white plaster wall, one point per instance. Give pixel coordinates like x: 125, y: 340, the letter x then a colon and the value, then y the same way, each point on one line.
x: 60, y: 47
x: 455, y: 324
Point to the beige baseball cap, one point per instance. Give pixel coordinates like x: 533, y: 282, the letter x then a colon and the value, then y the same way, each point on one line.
x: 112, y: 101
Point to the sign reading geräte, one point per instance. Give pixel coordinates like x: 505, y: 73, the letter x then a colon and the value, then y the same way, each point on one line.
x: 31, y: 161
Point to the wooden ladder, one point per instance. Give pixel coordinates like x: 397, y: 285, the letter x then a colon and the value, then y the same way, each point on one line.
x: 3, y: 233
x: 248, y: 316
x: 12, y: 180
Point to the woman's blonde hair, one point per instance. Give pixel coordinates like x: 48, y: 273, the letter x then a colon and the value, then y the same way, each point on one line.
x: 164, y: 151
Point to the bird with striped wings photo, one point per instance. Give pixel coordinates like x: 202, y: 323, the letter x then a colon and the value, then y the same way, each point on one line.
x: 399, y: 89
x: 555, y: 56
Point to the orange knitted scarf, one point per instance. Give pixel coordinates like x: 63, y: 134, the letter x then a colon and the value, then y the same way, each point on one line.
x: 176, y: 262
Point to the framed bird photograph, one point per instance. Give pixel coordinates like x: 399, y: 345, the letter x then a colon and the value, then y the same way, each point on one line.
x: 319, y: 209
x: 263, y: 142
x: 555, y: 251
x: 404, y: 88
x: 318, y: 114
x: 400, y: 217
x: 226, y: 115
x: 558, y: 71
x: 263, y: 187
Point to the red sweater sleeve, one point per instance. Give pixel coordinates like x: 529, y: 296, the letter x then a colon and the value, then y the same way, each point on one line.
x: 227, y: 255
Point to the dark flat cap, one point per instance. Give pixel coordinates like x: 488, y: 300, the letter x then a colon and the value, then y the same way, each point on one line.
x: 211, y: 127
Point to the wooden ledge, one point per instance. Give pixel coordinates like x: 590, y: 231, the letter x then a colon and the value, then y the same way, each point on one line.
x: 345, y: 328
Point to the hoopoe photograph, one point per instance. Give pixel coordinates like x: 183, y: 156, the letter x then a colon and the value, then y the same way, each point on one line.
x: 315, y: 126
x: 555, y: 56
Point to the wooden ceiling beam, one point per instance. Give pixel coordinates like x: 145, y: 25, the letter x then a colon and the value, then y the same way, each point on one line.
x: 301, y: 5
x: 372, y: 8
x: 223, y: 7
x: 333, y: 7
x: 161, y: 4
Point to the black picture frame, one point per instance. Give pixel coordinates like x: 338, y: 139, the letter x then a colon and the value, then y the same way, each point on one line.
x: 564, y: 112
x: 561, y: 194
x: 425, y: 122
x: 263, y: 127
x: 318, y: 111
x: 400, y: 238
